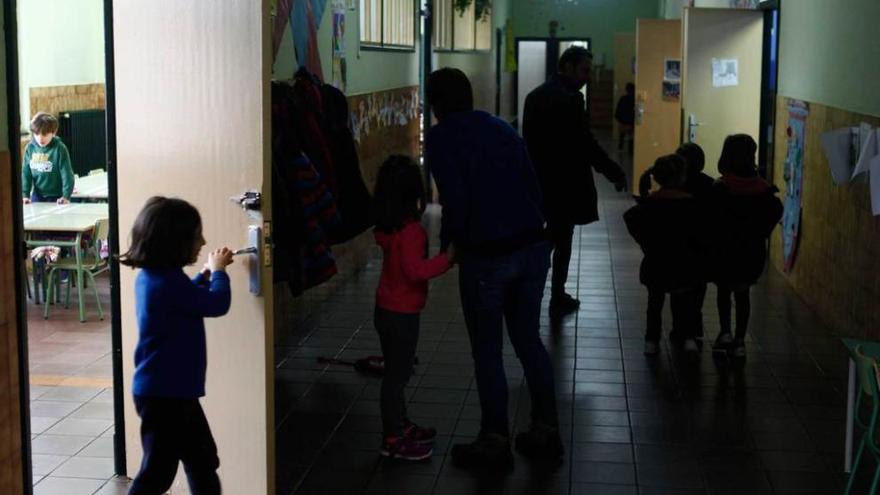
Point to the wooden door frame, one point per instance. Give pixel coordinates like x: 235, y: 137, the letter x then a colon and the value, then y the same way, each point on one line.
x: 14, y: 123
x: 768, y: 90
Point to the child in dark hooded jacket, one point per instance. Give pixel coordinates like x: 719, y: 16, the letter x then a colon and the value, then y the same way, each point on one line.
x: 666, y: 224
x: 747, y: 210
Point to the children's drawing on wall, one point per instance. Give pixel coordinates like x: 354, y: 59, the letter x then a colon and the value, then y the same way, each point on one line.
x: 376, y: 111
x: 793, y: 173
x: 338, y: 59
x: 725, y: 72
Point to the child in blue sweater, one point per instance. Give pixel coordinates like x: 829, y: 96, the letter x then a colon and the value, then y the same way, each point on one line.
x: 170, y: 358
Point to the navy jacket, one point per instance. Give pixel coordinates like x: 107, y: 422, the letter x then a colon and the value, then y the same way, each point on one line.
x: 171, y: 357
x: 488, y: 188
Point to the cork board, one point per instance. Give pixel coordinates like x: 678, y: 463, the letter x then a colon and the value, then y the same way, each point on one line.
x: 838, y: 255
x: 55, y: 99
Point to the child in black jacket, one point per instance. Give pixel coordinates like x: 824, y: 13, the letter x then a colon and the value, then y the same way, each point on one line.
x: 748, y: 210
x: 666, y: 225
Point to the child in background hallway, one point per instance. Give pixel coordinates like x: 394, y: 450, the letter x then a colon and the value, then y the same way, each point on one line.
x: 170, y: 358
x: 666, y: 225
x: 748, y: 210
x: 46, y: 174
x: 403, y: 289
x: 698, y: 185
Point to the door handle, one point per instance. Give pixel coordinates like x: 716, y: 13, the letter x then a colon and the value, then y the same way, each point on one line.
x: 692, y: 127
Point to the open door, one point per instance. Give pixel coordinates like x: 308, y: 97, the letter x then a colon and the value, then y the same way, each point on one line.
x: 192, y: 119
x: 658, y: 109
x: 721, y: 77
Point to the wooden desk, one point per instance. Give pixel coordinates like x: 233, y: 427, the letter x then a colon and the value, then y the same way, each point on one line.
x: 90, y: 188
x: 74, y: 218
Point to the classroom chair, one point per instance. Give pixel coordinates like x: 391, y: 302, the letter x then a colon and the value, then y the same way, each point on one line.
x: 869, y: 377
x: 92, y: 264
x: 96, y: 171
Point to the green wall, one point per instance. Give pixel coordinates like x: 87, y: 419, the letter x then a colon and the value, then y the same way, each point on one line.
x: 368, y: 70
x: 4, y: 107
x: 594, y: 19
x: 61, y: 42
x: 829, y: 54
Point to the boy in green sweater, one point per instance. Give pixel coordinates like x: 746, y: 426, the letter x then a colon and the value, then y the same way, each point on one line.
x: 46, y: 173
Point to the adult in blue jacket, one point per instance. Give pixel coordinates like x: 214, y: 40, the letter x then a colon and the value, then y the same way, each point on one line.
x: 492, y: 214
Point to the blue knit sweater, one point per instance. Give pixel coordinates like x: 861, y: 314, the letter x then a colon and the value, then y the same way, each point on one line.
x: 171, y: 357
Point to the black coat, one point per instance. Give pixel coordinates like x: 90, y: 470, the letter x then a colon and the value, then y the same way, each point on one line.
x: 746, y: 220
x: 563, y: 149
x: 675, y: 244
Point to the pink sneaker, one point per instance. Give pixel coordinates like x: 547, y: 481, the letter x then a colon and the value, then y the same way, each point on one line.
x: 419, y: 434
x: 406, y: 449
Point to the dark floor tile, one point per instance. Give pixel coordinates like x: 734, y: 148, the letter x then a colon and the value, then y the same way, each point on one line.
x: 390, y: 482
x: 736, y: 482
x: 602, y: 489
x: 778, y: 460
x: 602, y: 452
x: 602, y: 434
x: 791, y: 482
x: 603, y: 472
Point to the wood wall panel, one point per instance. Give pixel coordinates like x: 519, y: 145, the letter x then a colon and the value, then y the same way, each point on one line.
x: 10, y: 399
x: 838, y: 258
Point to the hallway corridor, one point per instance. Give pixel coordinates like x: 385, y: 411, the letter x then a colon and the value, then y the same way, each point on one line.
x: 631, y: 424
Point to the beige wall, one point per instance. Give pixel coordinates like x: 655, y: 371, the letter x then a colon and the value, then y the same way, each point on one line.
x: 624, y: 52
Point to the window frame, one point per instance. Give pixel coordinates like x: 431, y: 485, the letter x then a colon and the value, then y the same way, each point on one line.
x: 382, y: 46
x: 452, y: 48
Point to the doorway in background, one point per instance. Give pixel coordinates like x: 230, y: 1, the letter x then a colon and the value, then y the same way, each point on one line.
x: 536, y: 61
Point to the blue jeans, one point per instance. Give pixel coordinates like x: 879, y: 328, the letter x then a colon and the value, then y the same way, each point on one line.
x: 39, y: 198
x: 509, y: 289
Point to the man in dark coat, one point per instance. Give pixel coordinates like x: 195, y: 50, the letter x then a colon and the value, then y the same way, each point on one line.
x: 563, y: 149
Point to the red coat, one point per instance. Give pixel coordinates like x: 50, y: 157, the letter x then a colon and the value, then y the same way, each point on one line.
x: 403, y: 286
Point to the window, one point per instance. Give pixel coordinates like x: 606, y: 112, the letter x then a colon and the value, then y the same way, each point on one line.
x: 388, y: 23
x: 461, y: 31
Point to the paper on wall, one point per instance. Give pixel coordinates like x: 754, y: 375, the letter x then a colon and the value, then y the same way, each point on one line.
x: 875, y: 185
x: 837, y: 146
x: 868, y: 152
x: 725, y: 72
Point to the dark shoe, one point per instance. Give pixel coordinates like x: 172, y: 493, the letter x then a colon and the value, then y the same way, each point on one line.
x: 540, y: 442
x: 405, y: 449
x: 487, y: 451
x: 722, y: 343
x: 419, y: 434
x: 563, y: 304
x: 738, y: 349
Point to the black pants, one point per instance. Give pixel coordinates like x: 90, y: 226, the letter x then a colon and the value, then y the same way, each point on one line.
x: 743, y: 308
x: 561, y: 235
x: 685, y: 313
x: 398, y: 336
x: 172, y: 431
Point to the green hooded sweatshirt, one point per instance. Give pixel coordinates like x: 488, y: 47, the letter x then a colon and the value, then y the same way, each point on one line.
x: 47, y: 170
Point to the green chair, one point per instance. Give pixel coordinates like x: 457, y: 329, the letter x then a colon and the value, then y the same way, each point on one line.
x: 868, y: 374
x: 92, y: 264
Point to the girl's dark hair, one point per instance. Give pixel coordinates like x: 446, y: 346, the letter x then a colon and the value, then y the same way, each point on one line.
x: 668, y: 171
x: 693, y: 156
x: 399, y: 193
x: 738, y: 156
x: 163, y: 235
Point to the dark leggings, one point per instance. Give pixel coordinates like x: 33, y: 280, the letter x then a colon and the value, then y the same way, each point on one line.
x: 398, y: 336
x: 743, y: 309
x: 561, y: 235
x: 685, y: 311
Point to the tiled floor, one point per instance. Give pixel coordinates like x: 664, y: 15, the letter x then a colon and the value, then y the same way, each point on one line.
x: 71, y: 399
x: 631, y: 424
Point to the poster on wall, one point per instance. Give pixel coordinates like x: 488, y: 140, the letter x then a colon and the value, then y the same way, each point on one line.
x: 725, y: 72
x: 338, y: 69
x: 793, y: 173
x: 672, y: 70
x: 671, y: 90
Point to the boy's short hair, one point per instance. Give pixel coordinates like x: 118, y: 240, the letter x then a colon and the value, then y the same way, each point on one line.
x: 164, y: 234
x: 694, y: 157
x: 44, y: 123
x: 449, y: 91
x: 573, y: 55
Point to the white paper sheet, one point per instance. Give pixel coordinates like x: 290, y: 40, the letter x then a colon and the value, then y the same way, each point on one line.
x: 868, y: 152
x: 725, y: 72
x: 875, y: 185
x: 837, y: 146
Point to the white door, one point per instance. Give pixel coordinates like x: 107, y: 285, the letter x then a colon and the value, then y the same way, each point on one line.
x: 192, y: 101
x: 531, y: 71
x: 721, y: 82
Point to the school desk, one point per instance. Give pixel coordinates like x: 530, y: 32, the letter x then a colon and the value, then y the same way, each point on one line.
x: 90, y: 188
x: 57, y: 223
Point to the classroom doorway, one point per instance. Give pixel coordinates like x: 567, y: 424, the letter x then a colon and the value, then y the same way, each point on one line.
x: 70, y: 356
x: 536, y: 61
